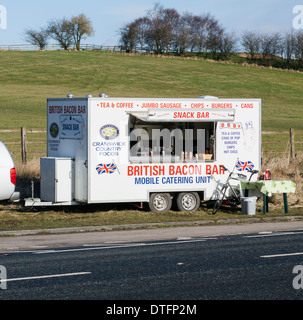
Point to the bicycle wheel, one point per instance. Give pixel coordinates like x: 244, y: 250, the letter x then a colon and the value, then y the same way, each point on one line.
x: 218, y: 202
x: 217, y: 205
x: 236, y: 198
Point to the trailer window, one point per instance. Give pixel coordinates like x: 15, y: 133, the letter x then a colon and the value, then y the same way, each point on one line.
x: 171, y: 141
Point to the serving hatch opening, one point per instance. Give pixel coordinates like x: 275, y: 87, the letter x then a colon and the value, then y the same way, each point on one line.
x: 171, y: 136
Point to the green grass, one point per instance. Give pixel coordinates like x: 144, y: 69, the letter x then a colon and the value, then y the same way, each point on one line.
x: 29, y: 78
x: 17, y: 218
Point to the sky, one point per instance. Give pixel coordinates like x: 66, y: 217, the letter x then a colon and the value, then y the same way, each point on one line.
x: 109, y: 16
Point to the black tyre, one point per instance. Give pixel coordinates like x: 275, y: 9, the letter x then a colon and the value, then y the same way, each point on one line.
x: 188, y: 201
x: 160, y: 202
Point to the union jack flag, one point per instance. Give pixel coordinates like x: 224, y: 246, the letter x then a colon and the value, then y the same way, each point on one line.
x: 244, y: 166
x: 106, y: 168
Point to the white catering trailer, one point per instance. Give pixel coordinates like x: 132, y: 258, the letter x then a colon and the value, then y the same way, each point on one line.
x: 152, y: 150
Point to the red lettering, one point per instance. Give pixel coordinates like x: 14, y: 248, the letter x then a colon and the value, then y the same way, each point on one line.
x: 161, y: 171
x: 81, y: 109
x: 136, y: 171
x: 221, y: 170
x: 55, y: 109
x: 182, y: 115
x: 214, y: 170
x: 130, y: 171
x: 145, y: 170
x: 70, y: 109
x: 178, y: 170
x: 171, y: 170
x: 202, y: 115
x: 197, y: 105
x: 247, y: 105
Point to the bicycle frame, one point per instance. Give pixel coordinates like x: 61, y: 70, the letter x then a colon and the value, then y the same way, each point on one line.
x: 234, y: 196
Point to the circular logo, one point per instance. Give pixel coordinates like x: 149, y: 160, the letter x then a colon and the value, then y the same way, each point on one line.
x: 109, y: 132
x: 54, y: 130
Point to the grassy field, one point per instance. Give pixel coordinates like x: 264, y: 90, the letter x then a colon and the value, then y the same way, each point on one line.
x: 29, y: 78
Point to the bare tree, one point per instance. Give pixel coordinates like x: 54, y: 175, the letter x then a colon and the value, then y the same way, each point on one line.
x: 299, y: 47
x: 270, y: 45
x: 81, y: 28
x: 226, y: 45
x: 204, y: 27
x: 155, y: 34
x: 170, y: 20
x: 289, y: 46
x: 61, y: 31
x: 129, y: 36
x: 251, y: 43
x: 184, y: 34
x: 142, y: 27
x: 37, y: 37
x: 162, y: 30
x: 213, y: 43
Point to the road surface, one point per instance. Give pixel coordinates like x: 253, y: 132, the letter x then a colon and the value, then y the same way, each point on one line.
x: 197, y: 264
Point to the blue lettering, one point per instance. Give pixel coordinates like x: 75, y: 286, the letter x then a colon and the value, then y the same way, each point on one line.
x: 177, y: 180
x: 152, y: 180
x: 201, y: 179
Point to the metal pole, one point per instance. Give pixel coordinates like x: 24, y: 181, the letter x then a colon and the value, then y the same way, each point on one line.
x: 285, y: 202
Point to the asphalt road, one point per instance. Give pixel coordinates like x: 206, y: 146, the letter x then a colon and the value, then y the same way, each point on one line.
x: 253, y: 266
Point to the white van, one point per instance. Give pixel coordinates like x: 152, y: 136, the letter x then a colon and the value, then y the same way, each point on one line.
x: 7, y: 175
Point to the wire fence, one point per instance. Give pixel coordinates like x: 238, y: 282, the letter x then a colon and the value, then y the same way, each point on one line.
x: 56, y: 47
x: 288, y: 143
x: 25, y: 144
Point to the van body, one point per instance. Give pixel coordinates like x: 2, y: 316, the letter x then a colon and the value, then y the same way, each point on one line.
x: 7, y: 175
x: 108, y: 150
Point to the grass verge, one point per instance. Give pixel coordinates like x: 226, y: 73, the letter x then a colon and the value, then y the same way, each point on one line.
x: 15, y: 217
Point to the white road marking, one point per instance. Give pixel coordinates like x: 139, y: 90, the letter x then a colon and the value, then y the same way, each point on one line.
x: 45, y: 277
x: 272, y: 234
x: 117, y: 246
x: 111, y: 243
x: 43, y: 251
x: 283, y: 255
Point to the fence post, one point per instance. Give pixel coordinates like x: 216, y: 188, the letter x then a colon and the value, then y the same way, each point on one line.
x: 292, y: 144
x: 23, y: 145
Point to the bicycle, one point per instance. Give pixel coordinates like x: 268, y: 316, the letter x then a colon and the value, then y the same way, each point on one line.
x: 234, y: 199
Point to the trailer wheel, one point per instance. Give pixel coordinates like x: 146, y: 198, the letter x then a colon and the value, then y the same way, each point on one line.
x: 160, y: 202
x: 188, y: 201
